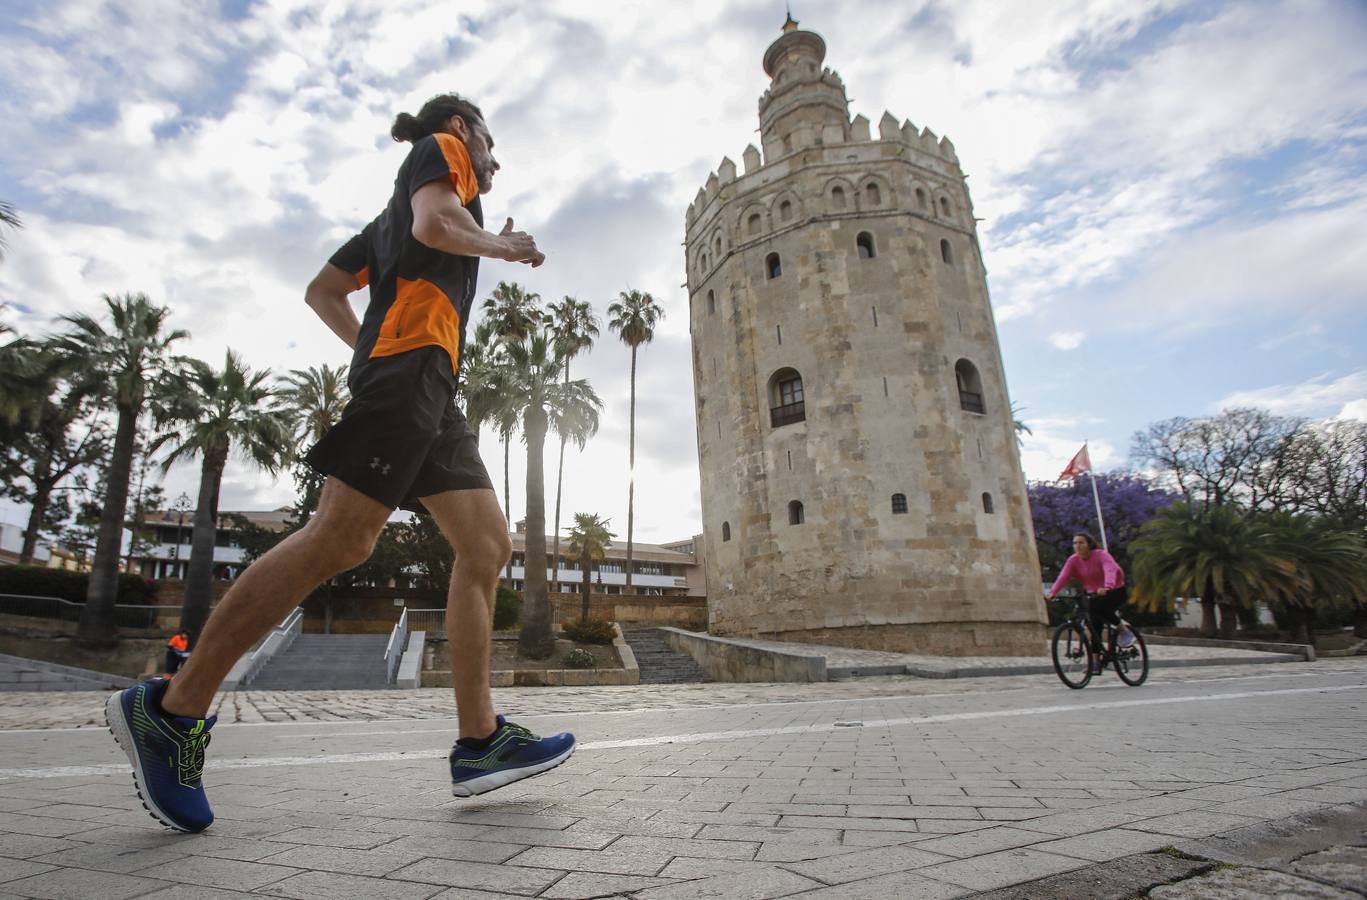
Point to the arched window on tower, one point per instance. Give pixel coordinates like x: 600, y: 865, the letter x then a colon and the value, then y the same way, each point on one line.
x: 772, y: 266
x: 785, y: 211
x: 726, y: 531
x: 717, y: 246
x: 711, y: 303
x: 786, y: 400
x: 874, y: 196
x: 795, y: 515
x: 899, y: 504
x: 970, y: 386
x: 944, y: 205
x: 837, y: 197
x: 753, y: 225
x: 946, y: 251
x: 921, y: 198
x: 987, y: 503
x: 864, y: 243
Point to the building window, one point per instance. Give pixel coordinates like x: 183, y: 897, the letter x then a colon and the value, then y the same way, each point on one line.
x: 921, y: 198
x: 726, y: 531
x: 717, y: 246
x: 874, y: 195
x: 944, y: 205
x: 785, y: 211
x: 754, y: 223
x: 786, y: 401
x: 899, y: 504
x: 711, y: 303
x: 970, y: 386
x: 987, y: 503
x: 772, y: 267
x: 946, y: 251
x: 795, y: 516
x: 837, y: 198
x: 865, y: 244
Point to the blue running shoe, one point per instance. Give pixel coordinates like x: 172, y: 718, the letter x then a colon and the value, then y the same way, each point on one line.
x: 512, y: 754
x: 167, y: 753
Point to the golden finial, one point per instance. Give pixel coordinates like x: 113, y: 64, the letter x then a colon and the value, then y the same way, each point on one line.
x: 790, y: 24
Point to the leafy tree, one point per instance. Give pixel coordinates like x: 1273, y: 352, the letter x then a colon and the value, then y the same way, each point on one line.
x: 1061, y: 510
x: 1321, y: 470
x: 634, y: 317
x: 126, y: 359
x: 529, y: 376
x: 1217, y: 553
x: 574, y: 326
x: 589, y: 541
x: 1216, y: 460
x: 215, y: 412
x: 313, y: 399
x: 427, y: 551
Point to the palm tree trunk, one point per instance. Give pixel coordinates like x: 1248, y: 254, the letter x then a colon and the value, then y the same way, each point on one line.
x: 559, y: 480
x: 585, y: 563
x: 43, y: 484
x: 631, y: 472
x: 1229, y: 622
x: 199, y: 580
x: 508, y: 511
x: 537, y: 640
x: 98, y: 625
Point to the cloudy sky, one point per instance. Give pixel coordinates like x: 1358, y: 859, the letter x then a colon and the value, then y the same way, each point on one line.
x: 1173, y: 194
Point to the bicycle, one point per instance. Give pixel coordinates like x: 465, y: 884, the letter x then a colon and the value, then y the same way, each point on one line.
x: 1072, y: 649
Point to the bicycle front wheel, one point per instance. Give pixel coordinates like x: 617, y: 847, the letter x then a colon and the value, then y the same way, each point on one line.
x: 1072, y: 655
x: 1132, y: 663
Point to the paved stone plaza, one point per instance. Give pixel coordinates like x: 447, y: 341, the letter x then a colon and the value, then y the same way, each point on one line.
x: 887, y: 787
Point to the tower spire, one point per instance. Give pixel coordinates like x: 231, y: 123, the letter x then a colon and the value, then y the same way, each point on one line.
x: 789, y: 24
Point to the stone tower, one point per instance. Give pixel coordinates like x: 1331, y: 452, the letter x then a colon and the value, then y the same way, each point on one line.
x: 860, y: 479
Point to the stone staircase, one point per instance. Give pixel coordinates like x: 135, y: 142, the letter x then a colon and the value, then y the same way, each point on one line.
x: 659, y: 664
x: 326, y: 662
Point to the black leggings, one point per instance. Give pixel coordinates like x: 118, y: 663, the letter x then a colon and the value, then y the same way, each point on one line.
x: 1105, y: 609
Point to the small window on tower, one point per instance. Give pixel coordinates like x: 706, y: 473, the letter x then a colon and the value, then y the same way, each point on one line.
x: 944, y: 205
x: 726, y: 531
x: 899, y: 504
x: 865, y: 244
x: 785, y: 211
x: 987, y: 503
x: 717, y: 246
x: 754, y: 223
x: 772, y: 267
x: 921, y: 198
x: 874, y: 195
x: 946, y: 251
x: 711, y: 303
x: 795, y: 514
x: 837, y: 198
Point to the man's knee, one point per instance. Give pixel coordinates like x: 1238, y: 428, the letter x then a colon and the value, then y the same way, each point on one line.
x: 341, y: 549
x: 485, y: 554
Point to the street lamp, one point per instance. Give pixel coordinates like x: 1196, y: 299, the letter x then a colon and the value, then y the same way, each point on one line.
x: 181, y: 506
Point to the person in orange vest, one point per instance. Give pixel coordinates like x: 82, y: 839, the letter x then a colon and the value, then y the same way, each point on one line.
x: 177, y: 651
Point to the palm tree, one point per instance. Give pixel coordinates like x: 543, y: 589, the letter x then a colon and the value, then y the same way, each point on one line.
x: 634, y: 317
x: 574, y: 326
x: 529, y: 376
x: 131, y: 357
x: 1330, y: 562
x: 213, y: 413
x: 313, y: 398
x: 1217, y: 553
x: 589, y: 541
x: 10, y: 219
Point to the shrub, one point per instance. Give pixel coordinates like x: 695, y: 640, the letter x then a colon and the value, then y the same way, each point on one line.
x: 39, y: 581
x: 579, y: 658
x: 594, y: 631
x: 507, y: 608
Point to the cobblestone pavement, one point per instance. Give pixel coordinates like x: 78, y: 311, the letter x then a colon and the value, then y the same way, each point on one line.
x: 889, y: 787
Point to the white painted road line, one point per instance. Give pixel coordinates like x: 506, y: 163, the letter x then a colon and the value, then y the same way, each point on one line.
x: 696, y: 737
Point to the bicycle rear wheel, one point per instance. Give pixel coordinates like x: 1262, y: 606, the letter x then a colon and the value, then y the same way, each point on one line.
x: 1132, y: 663
x: 1072, y: 653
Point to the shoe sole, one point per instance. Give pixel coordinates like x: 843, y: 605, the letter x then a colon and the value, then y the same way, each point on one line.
x: 495, y: 780
x: 123, y: 736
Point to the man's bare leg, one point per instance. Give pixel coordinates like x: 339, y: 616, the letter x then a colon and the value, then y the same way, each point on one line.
x: 340, y: 536
x: 474, y: 525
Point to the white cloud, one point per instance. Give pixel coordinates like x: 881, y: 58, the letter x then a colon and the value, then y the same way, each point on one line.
x: 1067, y: 340
x: 1320, y: 397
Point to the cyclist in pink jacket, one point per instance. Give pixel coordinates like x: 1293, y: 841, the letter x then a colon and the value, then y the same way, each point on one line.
x: 1101, y: 575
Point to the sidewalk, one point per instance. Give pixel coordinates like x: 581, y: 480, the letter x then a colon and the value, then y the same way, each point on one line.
x: 876, y: 788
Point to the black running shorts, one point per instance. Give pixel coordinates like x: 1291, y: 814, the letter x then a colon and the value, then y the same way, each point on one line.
x: 402, y: 437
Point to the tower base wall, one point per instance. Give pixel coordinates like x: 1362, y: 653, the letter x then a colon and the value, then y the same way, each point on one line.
x: 928, y: 638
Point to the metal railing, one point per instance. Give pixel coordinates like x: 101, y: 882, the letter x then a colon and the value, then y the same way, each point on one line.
x: 393, y: 652
x: 279, y: 640
x: 787, y: 414
x: 432, y: 621
x: 126, y: 615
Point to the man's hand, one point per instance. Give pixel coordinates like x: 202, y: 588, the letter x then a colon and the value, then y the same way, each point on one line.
x: 521, y: 246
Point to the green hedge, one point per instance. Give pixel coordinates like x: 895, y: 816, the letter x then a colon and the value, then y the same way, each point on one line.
x: 507, y: 608
x: 38, y: 581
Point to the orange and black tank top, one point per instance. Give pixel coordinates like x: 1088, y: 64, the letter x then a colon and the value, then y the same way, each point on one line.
x: 419, y: 297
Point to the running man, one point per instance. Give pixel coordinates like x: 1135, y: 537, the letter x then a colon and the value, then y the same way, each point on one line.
x: 400, y: 442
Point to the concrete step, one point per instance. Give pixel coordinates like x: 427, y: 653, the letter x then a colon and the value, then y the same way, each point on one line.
x: 327, y: 662
x: 659, y: 664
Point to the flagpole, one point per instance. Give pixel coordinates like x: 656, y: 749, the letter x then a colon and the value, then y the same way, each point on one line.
x: 1096, y: 498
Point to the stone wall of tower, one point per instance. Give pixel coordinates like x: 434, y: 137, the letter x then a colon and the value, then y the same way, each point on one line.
x: 876, y: 341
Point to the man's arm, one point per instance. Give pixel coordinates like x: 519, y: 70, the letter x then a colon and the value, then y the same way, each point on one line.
x: 440, y: 222
x: 327, y: 296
